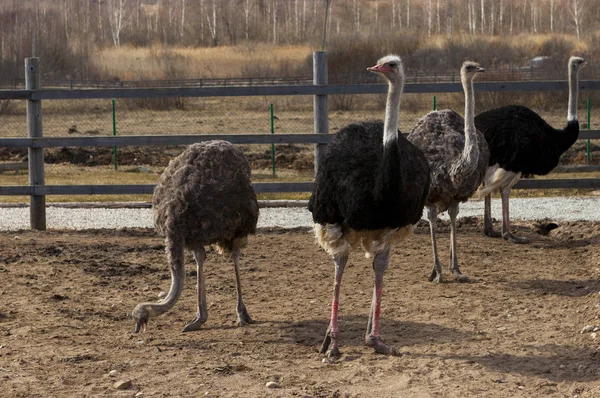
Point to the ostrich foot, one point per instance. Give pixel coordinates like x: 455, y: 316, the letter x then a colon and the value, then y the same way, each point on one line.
x: 514, y: 239
x: 380, y: 347
x: 332, y: 352
x: 435, y: 277
x: 243, y: 318
x: 194, y: 325
x: 458, y: 276
x: 492, y: 233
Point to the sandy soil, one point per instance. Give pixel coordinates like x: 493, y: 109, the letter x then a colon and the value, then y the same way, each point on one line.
x: 513, y: 331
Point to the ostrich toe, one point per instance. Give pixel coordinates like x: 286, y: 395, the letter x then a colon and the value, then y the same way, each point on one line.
x: 515, y: 239
x: 435, y: 277
x: 194, y: 325
x: 244, y: 319
x: 380, y: 347
x: 492, y: 233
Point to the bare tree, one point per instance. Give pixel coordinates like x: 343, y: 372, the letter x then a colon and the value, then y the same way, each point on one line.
x: 429, y: 11
x: 356, y: 10
x: 116, y: 19
x: 576, y: 9
x: 482, y: 16
x: 449, y: 20
x: 552, y: 16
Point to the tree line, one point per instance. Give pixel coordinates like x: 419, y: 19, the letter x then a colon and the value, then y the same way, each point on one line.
x: 65, y: 30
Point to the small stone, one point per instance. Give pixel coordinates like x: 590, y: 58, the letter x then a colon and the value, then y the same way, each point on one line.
x: 113, y: 373
x: 161, y: 294
x: 140, y: 394
x: 122, y: 385
x: 562, y: 367
x: 273, y: 384
x: 587, y: 329
x: 593, y: 335
x: 596, y: 329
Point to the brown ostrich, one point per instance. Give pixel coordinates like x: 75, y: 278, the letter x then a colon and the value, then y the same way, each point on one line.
x: 204, y: 197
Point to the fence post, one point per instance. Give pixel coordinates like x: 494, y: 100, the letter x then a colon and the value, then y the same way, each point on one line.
x: 37, y: 203
x: 320, y: 102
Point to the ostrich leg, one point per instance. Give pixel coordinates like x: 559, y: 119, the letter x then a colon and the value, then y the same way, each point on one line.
x: 436, y: 273
x: 242, y: 314
x: 332, y: 333
x: 488, y: 228
x: 506, y: 234
x: 453, y: 212
x: 372, y: 338
x: 202, y: 315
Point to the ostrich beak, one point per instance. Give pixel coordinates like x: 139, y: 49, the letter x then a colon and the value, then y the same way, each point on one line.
x: 141, y: 326
x: 379, y: 68
x: 480, y: 69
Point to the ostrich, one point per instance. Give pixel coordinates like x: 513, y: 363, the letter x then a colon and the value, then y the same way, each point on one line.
x: 521, y: 142
x: 204, y: 197
x: 369, y: 190
x: 458, y: 157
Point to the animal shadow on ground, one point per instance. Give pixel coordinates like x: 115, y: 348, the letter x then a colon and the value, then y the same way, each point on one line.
x: 555, y: 363
x: 573, y: 288
x: 353, y: 327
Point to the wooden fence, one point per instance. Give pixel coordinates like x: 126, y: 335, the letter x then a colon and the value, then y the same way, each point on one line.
x: 320, y: 89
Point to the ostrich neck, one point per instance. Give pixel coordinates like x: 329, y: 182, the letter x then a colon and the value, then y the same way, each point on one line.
x: 175, y: 258
x: 573, y: 91
x: 392, y: 108
x: 470, y: 154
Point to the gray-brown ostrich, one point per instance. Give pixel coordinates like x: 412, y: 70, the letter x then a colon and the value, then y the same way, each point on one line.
x: 204, y: 197
x: 458, y: 157
x: 369, y: 190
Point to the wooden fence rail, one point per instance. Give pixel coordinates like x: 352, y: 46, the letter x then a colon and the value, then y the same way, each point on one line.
x: 320, y: 89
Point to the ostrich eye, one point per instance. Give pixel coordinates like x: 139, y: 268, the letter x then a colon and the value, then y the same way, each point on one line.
x: 392, y: 64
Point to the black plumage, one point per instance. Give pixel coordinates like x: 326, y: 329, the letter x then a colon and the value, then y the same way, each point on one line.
x: 521, y: 141
x: 362, y: 187
x: 370, y: 188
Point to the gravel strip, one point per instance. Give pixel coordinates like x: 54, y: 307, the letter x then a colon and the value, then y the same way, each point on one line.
x: 556, y: 208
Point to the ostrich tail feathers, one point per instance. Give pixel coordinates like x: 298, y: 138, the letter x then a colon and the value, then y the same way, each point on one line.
x: 495, y: 179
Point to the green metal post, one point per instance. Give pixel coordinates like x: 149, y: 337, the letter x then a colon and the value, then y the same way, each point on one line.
x: 588, y: 154
x: 272, y: 145
x: 114, y: 120
x: 434, y: 103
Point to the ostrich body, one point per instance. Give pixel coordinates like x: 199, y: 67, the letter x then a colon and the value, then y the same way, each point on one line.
x: 521, y: 142
x: 204, y: 197
x: 458, y: 158
x: 369, y: 190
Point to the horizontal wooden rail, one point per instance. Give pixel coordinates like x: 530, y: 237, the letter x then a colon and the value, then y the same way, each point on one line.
x: 261, y: 187
x: 64, y: 94
x: 142, y: 140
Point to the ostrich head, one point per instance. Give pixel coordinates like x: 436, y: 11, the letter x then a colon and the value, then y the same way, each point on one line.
x: 390, y: 67
x: 470, y: 69
x: 576, y: 63
x: 141, y: 313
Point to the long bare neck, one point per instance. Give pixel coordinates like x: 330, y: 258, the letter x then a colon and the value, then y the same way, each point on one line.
x: 469, y: 157
x: 392, y: 108
x: 176, y: 263
x: 573, y: 91
x: 470, y: 131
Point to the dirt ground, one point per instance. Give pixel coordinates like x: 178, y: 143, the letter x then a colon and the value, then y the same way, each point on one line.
x: 513, y: 331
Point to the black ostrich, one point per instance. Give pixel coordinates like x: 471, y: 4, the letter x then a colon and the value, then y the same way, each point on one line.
x: 458, y: 156
x: 204, y: 197
x: 369, y: 190
x: 521, y: 142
